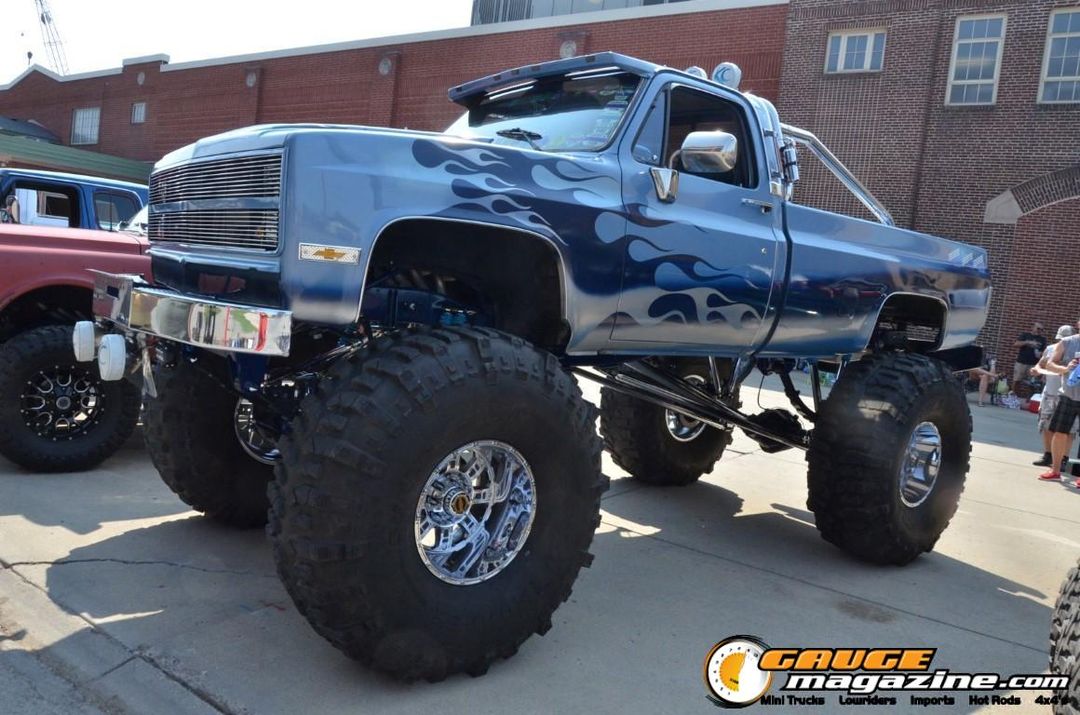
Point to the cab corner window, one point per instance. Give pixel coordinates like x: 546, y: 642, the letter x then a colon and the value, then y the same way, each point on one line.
x: 696, y: 111
x: 649, y: 144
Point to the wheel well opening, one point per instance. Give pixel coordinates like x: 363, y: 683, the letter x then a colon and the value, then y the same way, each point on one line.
x: 912, y: 322
x: 512, y: 278
x: 51, y: 305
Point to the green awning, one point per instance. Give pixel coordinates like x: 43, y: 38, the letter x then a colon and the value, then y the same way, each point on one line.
x: 23, y: 151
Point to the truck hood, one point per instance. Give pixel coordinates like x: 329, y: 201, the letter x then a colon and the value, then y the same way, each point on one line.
x: 74, y: 239
x: 268, y: 137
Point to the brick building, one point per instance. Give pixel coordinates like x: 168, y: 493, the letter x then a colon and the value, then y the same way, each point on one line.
x: 963, y: 116
x: 966, y: 124
x: 149, y: 107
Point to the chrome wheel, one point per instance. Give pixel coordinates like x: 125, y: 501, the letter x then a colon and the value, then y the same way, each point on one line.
x: 62, y: 402
x: 475, y: 512
x: 256, y: 441
x: 922, y: 461
x: 681, y: 427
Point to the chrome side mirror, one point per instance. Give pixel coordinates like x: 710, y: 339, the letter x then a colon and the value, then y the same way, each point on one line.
x: 708, y: 152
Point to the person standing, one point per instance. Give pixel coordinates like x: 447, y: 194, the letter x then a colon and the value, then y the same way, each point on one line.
x: 1051, y: 393
x: 1063, y: 359
x: 1031, y: 346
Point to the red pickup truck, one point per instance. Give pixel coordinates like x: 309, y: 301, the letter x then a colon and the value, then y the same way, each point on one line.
x: 56, y: 414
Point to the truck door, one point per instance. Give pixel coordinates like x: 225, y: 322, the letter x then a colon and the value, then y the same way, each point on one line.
x: 701, y: 265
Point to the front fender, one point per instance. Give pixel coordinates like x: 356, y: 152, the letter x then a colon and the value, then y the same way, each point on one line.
x: 347, y: 188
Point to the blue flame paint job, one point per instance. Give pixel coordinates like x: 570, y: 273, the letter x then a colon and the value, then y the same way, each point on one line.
x: 707, y: 274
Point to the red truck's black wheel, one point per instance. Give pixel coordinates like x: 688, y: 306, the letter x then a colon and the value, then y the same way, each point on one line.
x: 888, y: 457
x: 1065, y: 643
x: 192, y: 437
x: 56, y: 414
x: 657, y: 446
x: 436, y: 499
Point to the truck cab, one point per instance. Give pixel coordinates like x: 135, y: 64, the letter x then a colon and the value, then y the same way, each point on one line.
x: 50, y: 198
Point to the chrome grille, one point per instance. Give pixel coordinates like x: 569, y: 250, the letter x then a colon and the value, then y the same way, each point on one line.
x: 218, y: 227
x: 249, y: 176
x: 250, y: 186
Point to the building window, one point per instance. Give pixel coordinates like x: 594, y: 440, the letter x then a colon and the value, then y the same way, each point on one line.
x: 860, y: 51
x: 976, y: 60
x: 84, y: 125
x: 138, y: 113
x: 1061, y: 63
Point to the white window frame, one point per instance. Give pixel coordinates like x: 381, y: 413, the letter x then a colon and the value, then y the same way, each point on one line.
x: 844, y: 36
x: 138, y: 112
x: 75, y: 123
x: 1046, y: 59
x: 997, y: 65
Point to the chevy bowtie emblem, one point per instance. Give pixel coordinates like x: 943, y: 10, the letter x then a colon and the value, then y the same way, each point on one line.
x: 333, y: 254
x: 329, y: 254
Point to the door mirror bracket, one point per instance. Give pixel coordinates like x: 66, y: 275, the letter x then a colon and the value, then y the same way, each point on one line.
x: 666, y: 183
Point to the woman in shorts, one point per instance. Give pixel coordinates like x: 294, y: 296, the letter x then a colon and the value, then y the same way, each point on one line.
x: 1051, y: 397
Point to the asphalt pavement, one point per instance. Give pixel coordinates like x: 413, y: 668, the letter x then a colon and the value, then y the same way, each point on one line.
x: 114, y: 597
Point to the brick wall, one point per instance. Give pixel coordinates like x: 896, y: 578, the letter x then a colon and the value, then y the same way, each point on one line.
x: 935, y: 166
x: 1043, y: 272
x: 347, y: 86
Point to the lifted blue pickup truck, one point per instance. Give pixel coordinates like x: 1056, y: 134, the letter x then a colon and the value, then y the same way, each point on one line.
x: 390, y: 322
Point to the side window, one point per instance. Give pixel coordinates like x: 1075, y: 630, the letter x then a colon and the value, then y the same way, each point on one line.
x: 47, y: 204
x: 695, y: 111
x: 649, y: 144
x: 51, y: 205
x: 113, y: 208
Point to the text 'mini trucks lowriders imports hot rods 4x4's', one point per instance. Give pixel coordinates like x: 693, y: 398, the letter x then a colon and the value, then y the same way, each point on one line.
x: 391, y: 322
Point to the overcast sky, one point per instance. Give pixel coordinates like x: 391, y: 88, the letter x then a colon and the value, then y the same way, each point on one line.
x: 99, y: 34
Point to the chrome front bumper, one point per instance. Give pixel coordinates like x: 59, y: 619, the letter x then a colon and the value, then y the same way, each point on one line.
x: 130, y: 303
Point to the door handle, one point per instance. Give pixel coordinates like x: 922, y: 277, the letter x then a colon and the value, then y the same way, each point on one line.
x: 765, y: 206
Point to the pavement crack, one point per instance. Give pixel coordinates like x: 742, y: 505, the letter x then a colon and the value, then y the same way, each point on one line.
x: 1018, y: 510
x: 199, y: 692
x: 117, y: 667
x: 134, y: 562
x: 627, y: 490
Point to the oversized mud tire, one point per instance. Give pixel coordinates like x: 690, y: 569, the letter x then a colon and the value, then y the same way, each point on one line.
x: 888, y: 457
x: 56, y: 414
x: 191, y: 437
x: 361, y: 480
x: 1065, y: 643
x: 655, y: 446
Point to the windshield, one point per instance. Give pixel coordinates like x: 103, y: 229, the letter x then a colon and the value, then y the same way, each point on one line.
x: 137, y: 223
x: 574, y: 112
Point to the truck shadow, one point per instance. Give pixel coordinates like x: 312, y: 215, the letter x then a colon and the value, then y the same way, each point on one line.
x: 118, y: 490
x: 978, y: 620
x: 676, y: 570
